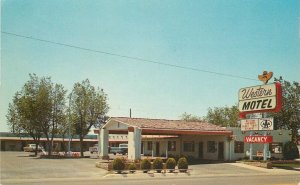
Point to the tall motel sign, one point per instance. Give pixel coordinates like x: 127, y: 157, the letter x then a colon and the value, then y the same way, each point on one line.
x: 258, y: 100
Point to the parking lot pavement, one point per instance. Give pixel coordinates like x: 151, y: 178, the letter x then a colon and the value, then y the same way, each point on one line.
x: 19, y: 165
x: 220, y: 168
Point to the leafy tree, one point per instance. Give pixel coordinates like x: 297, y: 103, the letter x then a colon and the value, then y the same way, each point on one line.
x: 290, y: 151
x: 289, y: 116
x: 189, y: 117
x: 37, y: 109
x: 223, y: 116
x: 57, y: 116
x: 87, y: 105
x: 27, y: 110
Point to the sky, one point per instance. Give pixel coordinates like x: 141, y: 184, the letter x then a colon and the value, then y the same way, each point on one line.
x: 239, y: 38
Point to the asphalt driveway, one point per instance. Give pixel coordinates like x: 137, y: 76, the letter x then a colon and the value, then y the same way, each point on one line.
x: 19, y: 165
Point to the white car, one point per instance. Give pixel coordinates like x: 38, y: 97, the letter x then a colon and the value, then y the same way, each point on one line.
x: 32, y: 148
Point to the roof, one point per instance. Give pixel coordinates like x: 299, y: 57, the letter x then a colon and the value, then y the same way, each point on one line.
x: 160, y: 126
x: 168, y: 124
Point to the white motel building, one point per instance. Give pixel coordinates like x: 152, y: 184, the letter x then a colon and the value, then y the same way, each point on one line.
x: 163, y: 138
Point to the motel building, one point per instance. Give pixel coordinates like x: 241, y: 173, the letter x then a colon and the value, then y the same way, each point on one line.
x: 163, y: 138
x: 200, y: 140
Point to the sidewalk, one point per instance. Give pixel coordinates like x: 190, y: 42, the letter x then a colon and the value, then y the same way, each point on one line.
x: 225, y: 170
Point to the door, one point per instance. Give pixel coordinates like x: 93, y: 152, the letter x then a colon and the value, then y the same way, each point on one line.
x: 157, y: 149
x: 221, y: 151
x: 200, y: 154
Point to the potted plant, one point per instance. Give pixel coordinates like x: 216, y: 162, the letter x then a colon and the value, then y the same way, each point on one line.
x: 158, y: 165
x: 182, y: 164
x: 171, y: 163
x: 118, y: 165
x: 145, y: 165
x: 132, y: 167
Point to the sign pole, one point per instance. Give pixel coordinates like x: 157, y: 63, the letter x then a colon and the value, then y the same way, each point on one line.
x: 251, y: 148
x: 265, y: 144
x: 265, y: 148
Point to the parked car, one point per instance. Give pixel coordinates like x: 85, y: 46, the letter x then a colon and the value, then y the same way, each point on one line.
x: 123, y: 146
x: 94, y: 149
x: 32, y: 148
x: 117, y: 150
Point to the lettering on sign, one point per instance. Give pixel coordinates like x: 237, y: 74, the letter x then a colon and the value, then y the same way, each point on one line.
x: 261, y: 91
x: 258, y: 104
x: 249, y: 124
x: 258, y: 139
x: 262, y: 98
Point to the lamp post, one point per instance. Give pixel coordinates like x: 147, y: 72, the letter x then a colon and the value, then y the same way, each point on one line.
x: 69, y: 124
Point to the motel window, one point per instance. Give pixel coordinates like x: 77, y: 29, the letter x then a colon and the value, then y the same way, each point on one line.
x: 171, y: 145
x: 211, y: 147
x: 149, y: 145
x: 188, y: 146
x: 276, y: 148
x: 238, y: 147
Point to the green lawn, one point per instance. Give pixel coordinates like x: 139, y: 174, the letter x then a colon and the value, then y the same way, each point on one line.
x: 292, y: 165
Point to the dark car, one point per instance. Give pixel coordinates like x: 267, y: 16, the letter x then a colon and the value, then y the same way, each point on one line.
x: 117, y: 150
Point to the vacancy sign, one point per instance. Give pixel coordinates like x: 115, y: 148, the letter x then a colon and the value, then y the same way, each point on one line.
x: 258, y: 139
x: 262, y: 98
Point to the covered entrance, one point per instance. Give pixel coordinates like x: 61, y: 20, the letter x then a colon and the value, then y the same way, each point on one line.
x: 172, y: 137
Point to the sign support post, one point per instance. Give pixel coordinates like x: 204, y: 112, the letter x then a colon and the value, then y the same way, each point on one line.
x: 251, y: 147
x: 265, y: 148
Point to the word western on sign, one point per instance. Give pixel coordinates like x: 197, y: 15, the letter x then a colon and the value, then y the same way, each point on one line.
x: 260, y: 91
x: 257, y: 124
x: 258, y: 139
x: 262, y: 98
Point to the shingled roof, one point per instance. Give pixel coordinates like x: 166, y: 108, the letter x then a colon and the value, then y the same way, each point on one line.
x: 144, y: 123
x: 163, y: 126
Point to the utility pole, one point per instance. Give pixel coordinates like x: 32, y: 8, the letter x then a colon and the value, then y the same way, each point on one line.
x: 130, y: 112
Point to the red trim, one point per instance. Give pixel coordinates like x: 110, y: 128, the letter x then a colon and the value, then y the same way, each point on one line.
x: 278, y: 107
x: 161, y: 131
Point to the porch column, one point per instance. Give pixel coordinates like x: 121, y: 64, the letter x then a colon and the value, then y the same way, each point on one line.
x: 134, y: 143
x: 103, y: 143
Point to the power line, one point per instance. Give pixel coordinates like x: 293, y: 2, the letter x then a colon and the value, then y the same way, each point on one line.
x: 128, y: 57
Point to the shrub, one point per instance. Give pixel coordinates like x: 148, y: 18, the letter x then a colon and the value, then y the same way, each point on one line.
x: 132, y: 167
x: 182, y: 164
x: 145, y: 165
x: 171, y: 163
x: 290, y: 151
x: 118, y: 165
x: 158, y: 164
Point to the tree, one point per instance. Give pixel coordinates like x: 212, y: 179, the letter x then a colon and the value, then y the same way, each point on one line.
x: 289, y: 116
x: 87, y: 105
x: 37, y: 109
x: 26, y: 111
x: 223, y: 116
x: 56, y: 115
x: 189, y: 117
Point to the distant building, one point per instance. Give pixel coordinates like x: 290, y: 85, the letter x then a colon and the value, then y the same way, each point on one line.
x: 16, y: 142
